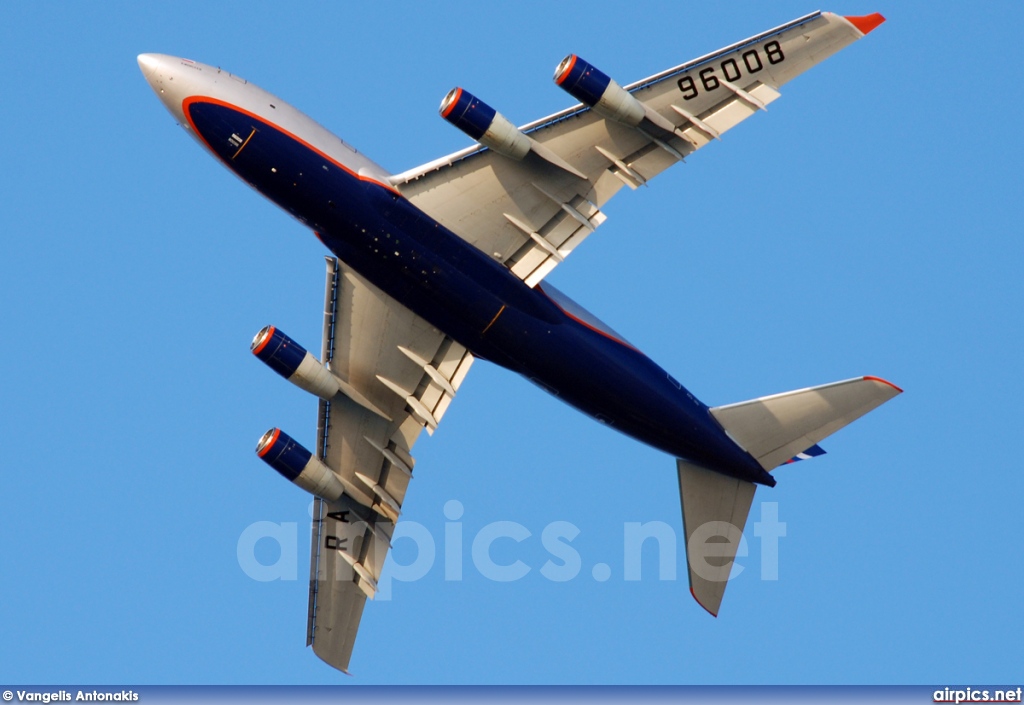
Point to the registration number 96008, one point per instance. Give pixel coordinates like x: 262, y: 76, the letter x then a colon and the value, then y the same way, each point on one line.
x: 730, y: 69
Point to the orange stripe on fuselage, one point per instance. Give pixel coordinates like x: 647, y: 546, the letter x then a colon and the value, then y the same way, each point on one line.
x: 243, y: 144
x: 598, y: 330
x: 587, y: 325
x: 187, y: 103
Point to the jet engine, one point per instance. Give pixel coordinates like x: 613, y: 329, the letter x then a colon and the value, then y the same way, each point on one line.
x: 484, y: 124
x: 283, y: 453
x: 593, y: 87
x: 293, y: 362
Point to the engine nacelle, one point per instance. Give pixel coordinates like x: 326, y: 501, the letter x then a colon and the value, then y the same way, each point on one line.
x: 293, y: 362
x: 484, y: 124
x: 283, y: 453
x: 593, y: 87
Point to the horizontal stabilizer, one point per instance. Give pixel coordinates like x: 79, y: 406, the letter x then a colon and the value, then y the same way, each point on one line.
x: 715, y: 509
x: 776, y: 428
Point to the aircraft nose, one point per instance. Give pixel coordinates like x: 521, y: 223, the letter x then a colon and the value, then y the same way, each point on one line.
x: 147, y: 62
x: 164, y: 77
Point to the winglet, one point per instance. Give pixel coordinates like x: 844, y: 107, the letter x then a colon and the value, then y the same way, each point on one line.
x: 866, y: 23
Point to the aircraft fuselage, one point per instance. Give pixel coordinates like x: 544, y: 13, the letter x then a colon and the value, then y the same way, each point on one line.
x: 367, y: 223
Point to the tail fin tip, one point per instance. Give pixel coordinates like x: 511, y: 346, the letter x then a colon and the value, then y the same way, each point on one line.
x: 713, y: 614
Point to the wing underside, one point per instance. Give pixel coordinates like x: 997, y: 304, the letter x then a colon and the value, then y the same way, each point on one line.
x: 402, y: 374
x: 531, y: 214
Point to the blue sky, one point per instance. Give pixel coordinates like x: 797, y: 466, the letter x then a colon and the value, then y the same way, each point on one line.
x: 865, y: 225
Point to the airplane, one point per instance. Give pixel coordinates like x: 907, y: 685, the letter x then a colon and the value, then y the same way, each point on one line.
x: 437, y: 266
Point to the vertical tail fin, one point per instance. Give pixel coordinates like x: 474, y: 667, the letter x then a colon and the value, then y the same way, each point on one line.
x: 773, y: 430
x: 715, y: 509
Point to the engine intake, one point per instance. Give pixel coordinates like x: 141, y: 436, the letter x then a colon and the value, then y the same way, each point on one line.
x: 296, y: 464
x: 484, y: 124
x: 293, y: 362
x: 591, y: 86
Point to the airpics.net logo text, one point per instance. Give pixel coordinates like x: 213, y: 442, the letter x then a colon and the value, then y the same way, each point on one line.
x: 977, y: 695
x: 561, y: 561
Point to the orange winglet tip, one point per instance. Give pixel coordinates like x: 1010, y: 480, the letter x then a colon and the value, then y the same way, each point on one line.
x: 702, y: 604
x: 866, y: 23
x: 884, y: 381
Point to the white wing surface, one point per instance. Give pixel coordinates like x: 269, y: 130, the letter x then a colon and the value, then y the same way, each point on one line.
x: 401, y: 374
x: 532, y: 213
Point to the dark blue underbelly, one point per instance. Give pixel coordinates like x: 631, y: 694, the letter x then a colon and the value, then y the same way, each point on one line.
x: 469, y: 296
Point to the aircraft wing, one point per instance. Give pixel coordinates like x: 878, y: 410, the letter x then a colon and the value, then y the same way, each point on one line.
x: 404, y: 374
x: 531, y: 213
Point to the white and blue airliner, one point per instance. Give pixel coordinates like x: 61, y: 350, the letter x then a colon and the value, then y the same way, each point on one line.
x: 445, y: 263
